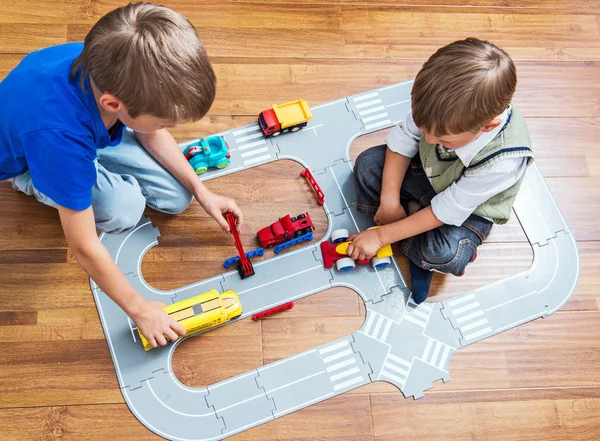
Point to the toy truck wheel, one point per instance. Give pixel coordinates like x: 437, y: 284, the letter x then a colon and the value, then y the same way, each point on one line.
x: 277, y: 133
x: 298, y: 233
x: 301, y: 216
x: 295, y: 129
x: 201, y: 170
x: 306, y: 230
x: 293, y: 219
x: 222, y: 164
x: 338, y: 236
x: 380, y: 262
x: 345, y: 264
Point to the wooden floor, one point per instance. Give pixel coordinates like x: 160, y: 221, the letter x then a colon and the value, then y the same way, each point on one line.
x: 540, y: 381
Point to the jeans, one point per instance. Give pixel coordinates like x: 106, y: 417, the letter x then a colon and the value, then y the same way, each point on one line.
x: 447, y: 249
x: 128, y: 179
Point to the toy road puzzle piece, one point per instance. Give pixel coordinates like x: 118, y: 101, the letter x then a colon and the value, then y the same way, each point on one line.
x: 249, y: 255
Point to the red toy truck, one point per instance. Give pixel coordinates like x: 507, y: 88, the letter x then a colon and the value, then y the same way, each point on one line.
x: 289, y: 117
x: 284, y: 229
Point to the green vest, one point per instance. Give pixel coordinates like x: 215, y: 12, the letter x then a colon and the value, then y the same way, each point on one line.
x: 443, y: 167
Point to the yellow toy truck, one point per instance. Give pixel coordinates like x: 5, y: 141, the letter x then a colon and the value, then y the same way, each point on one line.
x: 289, y: 117
x: 202, y: 312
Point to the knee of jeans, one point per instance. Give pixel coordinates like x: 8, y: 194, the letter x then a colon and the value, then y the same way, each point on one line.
x: 368, y: 159
x: 176, y: 203
x: 449, y: 259
x: 120, y: 210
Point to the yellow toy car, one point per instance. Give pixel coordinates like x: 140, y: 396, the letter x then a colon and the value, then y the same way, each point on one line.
x: 202, y: 312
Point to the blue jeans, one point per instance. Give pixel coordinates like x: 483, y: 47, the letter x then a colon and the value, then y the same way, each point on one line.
x: 128, y: 179
x: 447, y: 249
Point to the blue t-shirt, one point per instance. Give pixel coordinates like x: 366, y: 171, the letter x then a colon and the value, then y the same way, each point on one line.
x: 51, y: 127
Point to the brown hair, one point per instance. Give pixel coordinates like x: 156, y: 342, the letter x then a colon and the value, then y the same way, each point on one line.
x: 462, y: 87
x: 151, y: 58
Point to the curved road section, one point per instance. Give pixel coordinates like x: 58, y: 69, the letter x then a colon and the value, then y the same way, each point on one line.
x: 401, y: 343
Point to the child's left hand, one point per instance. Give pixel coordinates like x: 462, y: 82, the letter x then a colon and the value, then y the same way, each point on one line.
x: 365, y: 244
x: 217, y: 205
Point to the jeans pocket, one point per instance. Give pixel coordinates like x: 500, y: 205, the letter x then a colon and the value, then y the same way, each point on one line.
x: 464, y: 254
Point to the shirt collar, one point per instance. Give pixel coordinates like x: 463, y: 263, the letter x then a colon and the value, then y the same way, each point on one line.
x: 469, y: 151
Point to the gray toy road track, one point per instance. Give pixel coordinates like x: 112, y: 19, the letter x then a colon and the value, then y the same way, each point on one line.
x: 407, y: 345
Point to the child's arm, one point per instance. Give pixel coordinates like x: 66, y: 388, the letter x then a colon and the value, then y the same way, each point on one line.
x: 366, y: 244
x: 394, y: 169
x: 163, y: 147
x: 151, y: 320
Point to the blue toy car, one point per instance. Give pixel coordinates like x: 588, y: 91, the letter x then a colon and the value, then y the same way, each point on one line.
x: 212, y: 151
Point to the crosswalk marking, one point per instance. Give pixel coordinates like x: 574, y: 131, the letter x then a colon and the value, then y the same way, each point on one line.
x: 254, y: 152
x: 251, y: 144
x: 458, y: 301
x: 379, y: 124
x: 386, y: 331
x: 468, y: 317
x: 395, y: 369
x: 337, y: 356
x: 439, y: 355
x: 333, y: 347
x: 377, y: 326
x: 397, y: 379
x: 248, y: 138
x: 345, y: 384
x: 366, y: 96
x: 478, y: 333
x: 414, y: 320
x: 344, y: 374
x: 368, y: 103
x: 398, y: 360
x: 468, y: 307
x: 372, y: 110
x: 341, y: 364
x: 474, y: 325
x: 246, y: 130
x: 255, y: 160
x: 374, y: 117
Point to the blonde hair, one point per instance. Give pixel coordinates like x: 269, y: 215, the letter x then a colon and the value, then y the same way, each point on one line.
x: 151, y: 58
x: 462, y: 87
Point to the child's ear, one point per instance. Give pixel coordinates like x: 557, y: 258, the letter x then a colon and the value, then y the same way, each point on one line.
x: 110, y: 103
x: 492, y: 125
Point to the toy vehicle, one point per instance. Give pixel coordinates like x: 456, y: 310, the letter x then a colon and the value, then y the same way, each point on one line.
x: 284, y: 229
x: 337, y: 253
x: 245, y: 268
x: 208, y: 152
x: 289, y: 117
x: 202, y: 312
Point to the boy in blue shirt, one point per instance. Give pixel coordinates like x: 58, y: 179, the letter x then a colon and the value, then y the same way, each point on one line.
x: 82, y: 127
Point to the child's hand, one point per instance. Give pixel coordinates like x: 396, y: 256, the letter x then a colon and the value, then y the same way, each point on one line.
x: 154, y: 323
x: 364, y: 245
x: 216, y: 205
x: 389, y: 212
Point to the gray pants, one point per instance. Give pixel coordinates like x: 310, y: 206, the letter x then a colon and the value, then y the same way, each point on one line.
x: 447, y: 249
x: 128, y: 179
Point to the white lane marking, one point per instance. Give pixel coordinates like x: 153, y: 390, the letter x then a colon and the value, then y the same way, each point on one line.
x: 240, y: 402
x: 372, y: 110
x: 427, y: 349
x: 420, y: 313
x: 462, y: 299
x: 255, y: 160
x: 280, y: 279
x: 231, y: 380
x: 386, y: 331
x: 379, y: 124
x: 246, y: 130
x: 344, y: 374
x: 199, y: 415
x: 510, y: 301
x: 395, y: 368
x: 366, y: 96
x: 474, y: 325
x: 378, y: 326
x: 341, y: 364
x: 306, y: 404
x: 369, y: 323
x: 444, y: 357
x: 348, y: 383
x: 131, y: 328
x: 320, y: 106
x: 519, y: 322
x: 334, y: 347
x: 374, y: 117
x: 313, y: 128
x: 367, y: 104
x: 415, y: 320
x: 227, y: 171
x: 248, y: 138
x: 250, y: 145
x: 338, y: 356
x: 436, y: 352
x: 254, y: 152
x: 125, y: 240
x: 290, y: 299
x: 398, y: 360
x: 398, y: 103
x: 466, y: 318
x: 294, y: 382
x: 398, y: 380
x: 478, y: 333
x: 466, y: 308
x: 285, y: 360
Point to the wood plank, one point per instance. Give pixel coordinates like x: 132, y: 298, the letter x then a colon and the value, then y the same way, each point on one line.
x: 33, y: 256
x: 19, y: 38
x: 389, y: 32
x: 12, y: 318
x: 523, y: 414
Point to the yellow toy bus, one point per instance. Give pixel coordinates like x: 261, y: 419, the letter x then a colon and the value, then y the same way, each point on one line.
x: 202, y: 312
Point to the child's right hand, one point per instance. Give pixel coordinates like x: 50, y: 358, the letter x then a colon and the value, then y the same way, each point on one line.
x: 154, y: 323
x: 389, y: 212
